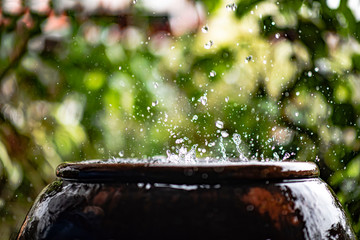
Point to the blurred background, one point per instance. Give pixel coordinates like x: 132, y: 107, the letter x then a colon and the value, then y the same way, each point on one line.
x: 98, y: 79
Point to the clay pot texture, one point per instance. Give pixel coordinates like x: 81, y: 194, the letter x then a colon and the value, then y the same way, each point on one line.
x: 252, y: 200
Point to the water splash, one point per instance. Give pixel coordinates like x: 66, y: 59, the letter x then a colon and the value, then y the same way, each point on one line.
x: 203, y: 99
x: 209, y: 44
x: 154, y: 103
x: 205, y: 29
x: 183, y: 156
x: 231, y: 7
x: 237, y: 140
x: 222, y: 149
x: 219, y: 124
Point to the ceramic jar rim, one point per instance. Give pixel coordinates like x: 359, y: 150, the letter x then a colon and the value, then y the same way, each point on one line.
x: 89, y: 171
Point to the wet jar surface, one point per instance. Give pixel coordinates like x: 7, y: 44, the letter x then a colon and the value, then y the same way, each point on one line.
x: 252, y: 200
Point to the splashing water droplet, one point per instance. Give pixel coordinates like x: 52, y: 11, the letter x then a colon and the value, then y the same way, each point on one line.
x: 190, y: 156
x: 231, y: 7
x: 277, y: 35
x: 237, y: 139
x: 248, y: 58
x: 156, y: 85
x: 224, y: 134
x: 178, y: 141
x: 203, y: 99
x: 154, y: 103
x: 309, y: 74
x: 222, y: 149
x: 134, y: 1
x: 219, y: 124
x: 119, y: 67
x: 286, y: 156
x: 205, y: 29
x: 276, y: 156
x: 195, y: 117
x: 121, y: 153
x: 212, y: 73
x: 226, y: 99
x: 208, y: 45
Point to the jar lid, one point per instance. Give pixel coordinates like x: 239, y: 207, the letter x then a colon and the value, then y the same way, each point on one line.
x: 139, y: 171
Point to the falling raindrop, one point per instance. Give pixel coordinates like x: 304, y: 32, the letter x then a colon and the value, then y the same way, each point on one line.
x: 212, y: 73
x: 209, y: 44
x: 219, y: 124
x: 205, y: 29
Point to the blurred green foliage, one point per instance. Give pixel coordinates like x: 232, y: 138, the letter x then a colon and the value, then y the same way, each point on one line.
x: 73, y: 87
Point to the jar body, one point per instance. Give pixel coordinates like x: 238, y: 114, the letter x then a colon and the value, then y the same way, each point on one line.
x: 283, y: 209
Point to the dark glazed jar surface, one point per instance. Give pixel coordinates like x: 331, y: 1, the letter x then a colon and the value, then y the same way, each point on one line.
x: 253, y: 200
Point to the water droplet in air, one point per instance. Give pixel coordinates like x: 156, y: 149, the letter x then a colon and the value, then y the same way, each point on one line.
x: 276, y: 156
x: 208, y: 45
x: 203, y: 100
x: 248, y: 58
x: 297, y: 93
x: 226, y: 99
x: 296, y: 114
x: 156, y: 85
x: 286, y: 156
x: 237, y: 139
x: 231, y: 7
x: 316, y: 69
x: 212, y: 73
x: 195, y: 117
x: 205, y: 29
x: 119, y: 67
x: 178, y: 141
x: 309, y: 74
x: 277, y: 35
x: 154, y: 103
x: 134, y: 1
x: 121, y: 153
x: 224, y: 134
x: 219, y: 124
